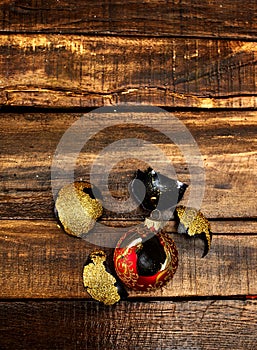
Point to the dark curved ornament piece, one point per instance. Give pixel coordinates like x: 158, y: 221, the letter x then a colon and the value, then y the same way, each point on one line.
x: 150, y: 257
x: 159, y: 191
x: 192, y: 222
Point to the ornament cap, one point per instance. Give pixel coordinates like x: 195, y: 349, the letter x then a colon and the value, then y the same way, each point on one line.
x: 158, y: 219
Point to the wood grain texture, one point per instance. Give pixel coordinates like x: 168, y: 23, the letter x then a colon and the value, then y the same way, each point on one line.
x: 135, y: 326
x: 71, y: 54
x: 220, y: 18
x: 78, y: 71
x: 39, y: 260
x: 226, y: 140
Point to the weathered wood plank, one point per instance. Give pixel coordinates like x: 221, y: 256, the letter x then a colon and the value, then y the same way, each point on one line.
x: 220, y: 18
x: 72, y: 70
x: 164, y: 325
x: 38, y: 260
x: 226, y: 140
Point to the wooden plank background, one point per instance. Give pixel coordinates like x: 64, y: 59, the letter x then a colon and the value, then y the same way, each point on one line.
x: 30, y: 141
x: 182, y: 72
x: 59, y: 60
x: 218, y: 19
x: 167, y: 325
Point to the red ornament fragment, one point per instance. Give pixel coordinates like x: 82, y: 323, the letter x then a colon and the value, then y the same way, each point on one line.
x: 145, y: 259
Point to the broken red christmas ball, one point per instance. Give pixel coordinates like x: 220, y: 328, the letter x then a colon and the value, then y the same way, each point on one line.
x: 145, y: 259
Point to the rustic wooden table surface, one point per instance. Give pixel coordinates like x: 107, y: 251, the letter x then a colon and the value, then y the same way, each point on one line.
x: 60, y: 59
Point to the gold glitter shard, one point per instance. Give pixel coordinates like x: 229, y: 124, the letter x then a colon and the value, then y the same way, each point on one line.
x: 77, y: 211
x: 98, y: 282
x: 193, y: 222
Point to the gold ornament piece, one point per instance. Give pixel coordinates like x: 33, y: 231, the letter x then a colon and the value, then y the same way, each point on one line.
x: 193, y: 222
x: 98, y: 282
x: 77, y: 210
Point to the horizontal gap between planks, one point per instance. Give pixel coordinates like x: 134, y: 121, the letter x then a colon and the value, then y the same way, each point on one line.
x: 222, y: 219
x: 136, y: 36
x: 61, y: 110
x: 137, y: 222
x: 143, y: 299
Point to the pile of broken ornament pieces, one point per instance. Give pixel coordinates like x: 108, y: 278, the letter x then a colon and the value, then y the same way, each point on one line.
x: 145, y: 257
